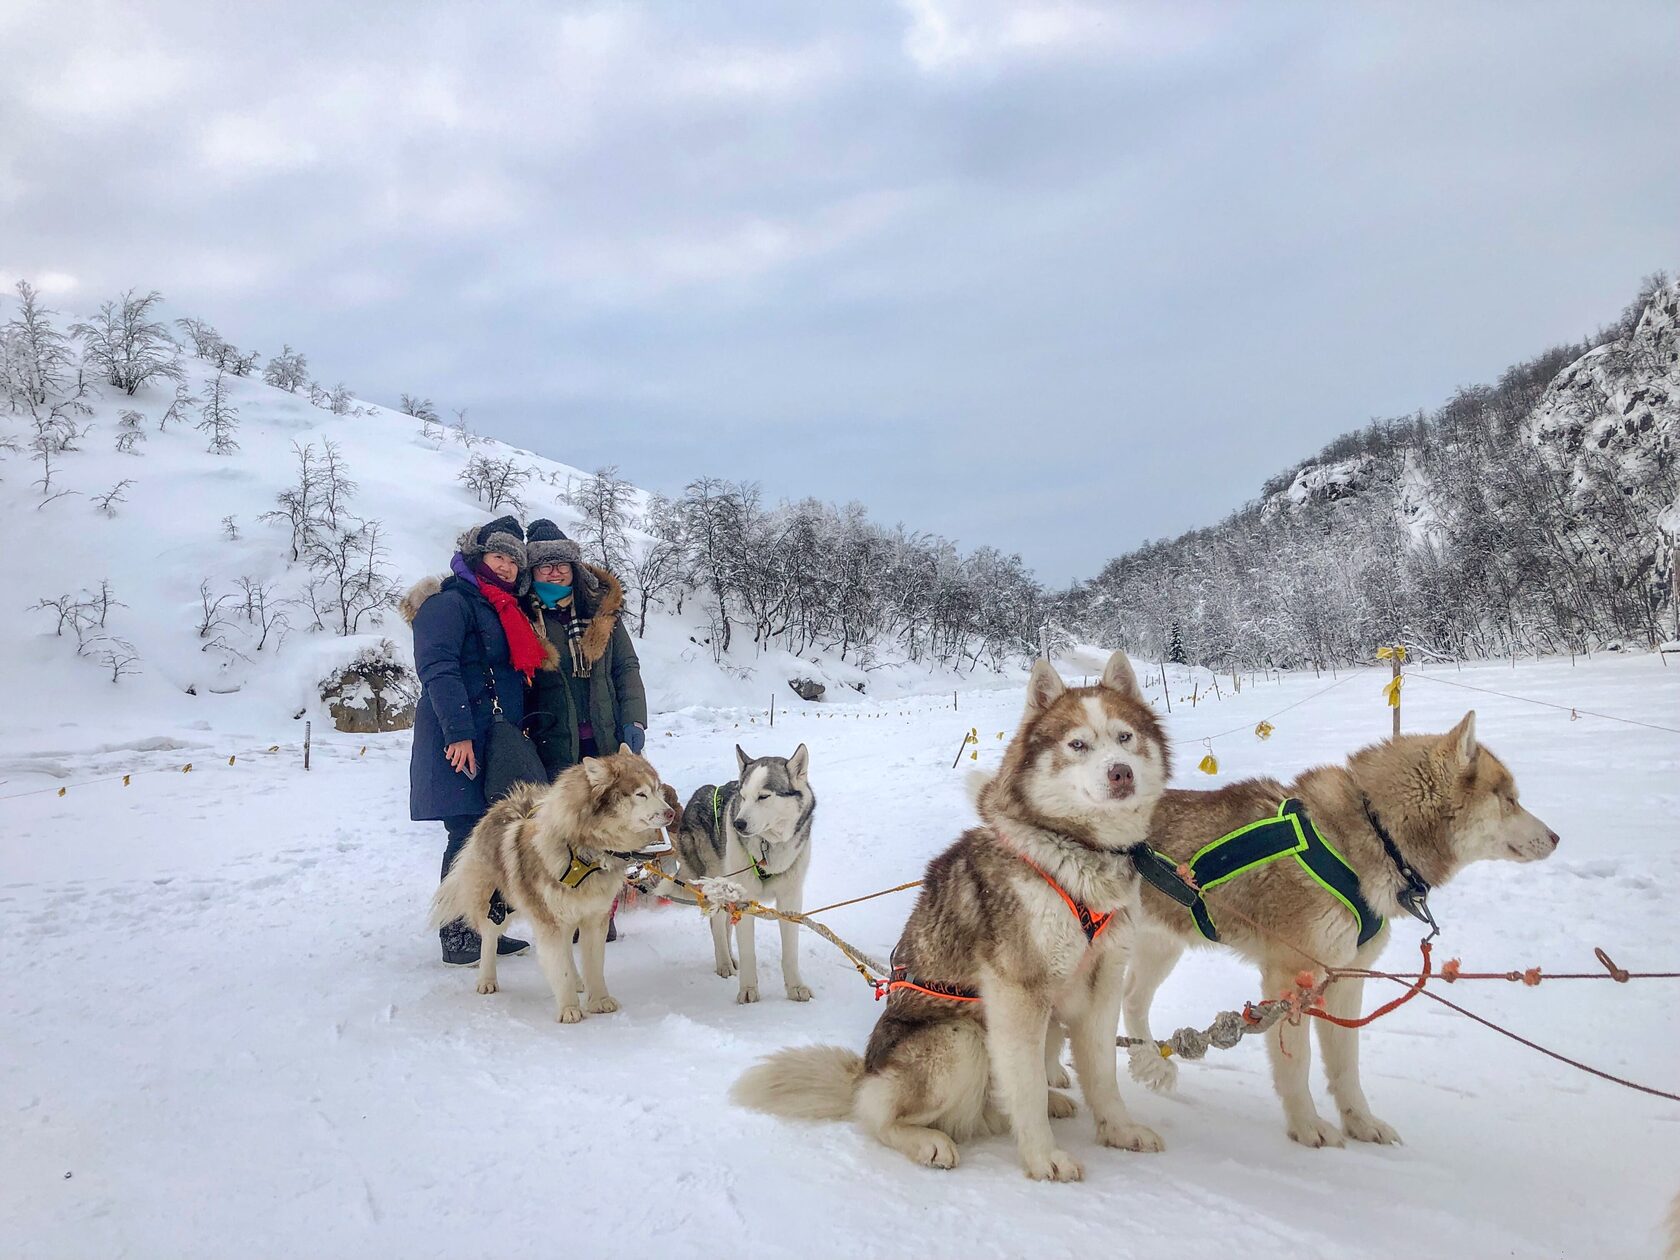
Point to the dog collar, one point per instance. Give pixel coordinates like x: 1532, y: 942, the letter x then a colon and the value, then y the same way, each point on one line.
x: 1414, y: 888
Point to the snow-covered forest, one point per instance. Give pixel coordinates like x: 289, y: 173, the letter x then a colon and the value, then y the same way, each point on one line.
x: 1539, y: 514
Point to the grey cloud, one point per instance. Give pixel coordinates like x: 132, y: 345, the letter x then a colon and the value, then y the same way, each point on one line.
x: 1053, y: 277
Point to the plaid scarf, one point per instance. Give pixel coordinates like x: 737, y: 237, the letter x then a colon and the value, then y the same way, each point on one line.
x: 575, y: 628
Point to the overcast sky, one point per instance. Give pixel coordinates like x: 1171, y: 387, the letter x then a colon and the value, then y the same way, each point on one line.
x: 1057, y: 277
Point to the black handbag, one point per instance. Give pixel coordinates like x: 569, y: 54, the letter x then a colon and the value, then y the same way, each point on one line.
x: 510, y: 758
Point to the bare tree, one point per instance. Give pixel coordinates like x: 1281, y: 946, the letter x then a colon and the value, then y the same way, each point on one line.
x: 318, y: 395
x: 606, y: 502
x: 107, y: 503
x: 420, y: 408
x: 657, y: 568
x: 177, y: 410
x: 300, y: 504
x: 230, y: 527
x: 210, y: 609
x: 219, y: 417
x: 496, y: 481
x: 236, y: 363
x: 262, y: 610
x: 66, y: 608
x: 130, y: 431
x: 35, y: 358
x: 462, y: 431
x: 288, y: 370
x: 46, y: 448
x: 103, y: 601
x: 336, y: 487
x: 207, y: 343
x: 119, y: 656
x: 128, y: 345
x: 339, y: 401
x: 351, y: 580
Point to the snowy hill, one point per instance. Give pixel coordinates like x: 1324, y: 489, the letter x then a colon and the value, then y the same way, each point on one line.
x: 207, y: 618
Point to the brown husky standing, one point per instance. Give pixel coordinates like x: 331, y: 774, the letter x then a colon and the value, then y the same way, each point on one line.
x: 1401, y: 817
x: 558, y: 854
x: 1021, y: 920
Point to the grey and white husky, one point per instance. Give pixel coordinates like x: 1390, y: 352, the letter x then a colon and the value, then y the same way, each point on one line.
x: 756, y: 833
x: 1023, y: 920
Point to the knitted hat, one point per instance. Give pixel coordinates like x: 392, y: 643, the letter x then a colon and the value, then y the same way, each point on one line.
x: 546, y: 543
x: 502, y: 536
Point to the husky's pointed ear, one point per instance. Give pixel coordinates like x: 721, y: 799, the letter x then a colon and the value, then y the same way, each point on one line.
x: 1043, y: 687
x: 1461, y: 740
x: 742, y: 759
x: 625, y: 748
x: 1118, y: 675
x: 597, y: 773
x: 799, y: 763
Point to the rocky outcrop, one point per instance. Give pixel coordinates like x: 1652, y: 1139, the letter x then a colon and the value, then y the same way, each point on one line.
x: 375, y: 691
x: 807, y: 688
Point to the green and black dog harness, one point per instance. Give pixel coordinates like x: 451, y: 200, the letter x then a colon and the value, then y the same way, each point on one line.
x: 1287, y: 833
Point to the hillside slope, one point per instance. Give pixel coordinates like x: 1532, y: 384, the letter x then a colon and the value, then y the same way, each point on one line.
x: 167, y: 535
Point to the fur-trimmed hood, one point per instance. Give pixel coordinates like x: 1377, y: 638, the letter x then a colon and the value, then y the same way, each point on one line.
x: 608, y: 601
x: 419, y: 593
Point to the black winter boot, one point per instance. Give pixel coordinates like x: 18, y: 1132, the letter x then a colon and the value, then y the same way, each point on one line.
x: 462, y: 945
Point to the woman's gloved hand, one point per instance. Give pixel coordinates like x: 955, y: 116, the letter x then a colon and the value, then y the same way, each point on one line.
x: 633, y: 734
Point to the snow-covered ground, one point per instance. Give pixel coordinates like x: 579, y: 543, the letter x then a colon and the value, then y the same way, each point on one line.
x: 226, y: 1031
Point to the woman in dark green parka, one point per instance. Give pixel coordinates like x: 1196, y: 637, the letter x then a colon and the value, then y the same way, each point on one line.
x: 587, y: 698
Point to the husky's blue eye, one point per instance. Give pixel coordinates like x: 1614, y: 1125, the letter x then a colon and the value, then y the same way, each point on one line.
x: 1078, y: 745
x: 1124, y: 737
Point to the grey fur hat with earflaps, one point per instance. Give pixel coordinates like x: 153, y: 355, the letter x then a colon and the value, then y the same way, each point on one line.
x: 502, y: 536
x: 546, y: 543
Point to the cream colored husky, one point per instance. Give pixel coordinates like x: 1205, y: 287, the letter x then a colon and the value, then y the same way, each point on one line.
x: 1406, y: 815
x: 558, y: 854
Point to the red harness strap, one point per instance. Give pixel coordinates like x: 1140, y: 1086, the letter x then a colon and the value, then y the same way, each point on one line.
x: 1090, y: 922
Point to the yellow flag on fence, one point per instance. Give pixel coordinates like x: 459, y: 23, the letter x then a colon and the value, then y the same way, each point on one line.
x: 62, y: 791
x: 231, y: 760
x: 125, y: 780
x: 187, y: 769
x: 1209, y: 764
x: 1391, y: 690
x: 1264, y: 730
x: 1391, y: 653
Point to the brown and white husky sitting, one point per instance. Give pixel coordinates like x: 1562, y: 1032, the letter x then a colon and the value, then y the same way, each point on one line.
x: 558, y: 854
x: 1406, y: 815
x: 1020, y: 921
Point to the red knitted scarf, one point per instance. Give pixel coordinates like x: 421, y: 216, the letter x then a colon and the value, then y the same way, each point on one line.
x: 523, y: 646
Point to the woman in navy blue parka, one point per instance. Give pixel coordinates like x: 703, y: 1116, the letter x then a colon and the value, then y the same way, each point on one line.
x: 463, y: 624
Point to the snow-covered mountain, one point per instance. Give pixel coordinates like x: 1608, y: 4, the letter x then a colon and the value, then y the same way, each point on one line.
x: 1541, y: 513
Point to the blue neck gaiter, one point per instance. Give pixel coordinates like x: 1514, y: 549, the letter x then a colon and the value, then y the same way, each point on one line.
x: 551, y: 593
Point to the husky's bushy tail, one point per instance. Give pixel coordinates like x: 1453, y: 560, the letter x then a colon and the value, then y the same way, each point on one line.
x: 465, y: 891
x: 802, y: 1083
